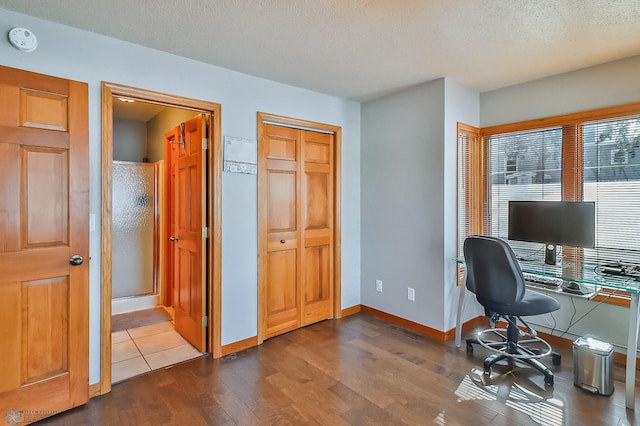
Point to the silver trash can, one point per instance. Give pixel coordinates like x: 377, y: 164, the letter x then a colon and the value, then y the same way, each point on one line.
x: 593, y: 365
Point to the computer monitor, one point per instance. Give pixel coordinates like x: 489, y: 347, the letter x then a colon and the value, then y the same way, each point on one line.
x: 567, y: 223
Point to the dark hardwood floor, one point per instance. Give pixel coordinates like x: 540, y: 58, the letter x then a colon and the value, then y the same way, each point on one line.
x: 359, y: 370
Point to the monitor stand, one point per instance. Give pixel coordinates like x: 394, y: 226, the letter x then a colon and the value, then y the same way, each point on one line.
x: 550, y: 254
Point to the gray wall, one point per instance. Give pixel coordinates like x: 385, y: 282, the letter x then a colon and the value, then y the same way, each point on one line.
x: 461, y: 105
x: 408, y: 180
x: 80, y: 55
x: 610, y: 84
x: 129, y: 140
x: 161, y: 123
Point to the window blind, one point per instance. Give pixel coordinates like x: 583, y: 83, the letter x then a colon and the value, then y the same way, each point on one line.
x: 469, y: 186
x: 611, y: 178
x: 521, y: 166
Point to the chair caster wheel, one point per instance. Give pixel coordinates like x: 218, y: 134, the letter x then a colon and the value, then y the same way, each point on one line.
x: 487, y: 371
x: 469, y: 348
x: 548, y: 380
x: 556, y: 359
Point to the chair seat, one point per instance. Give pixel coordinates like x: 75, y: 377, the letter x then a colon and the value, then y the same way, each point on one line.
x: 533, y: 303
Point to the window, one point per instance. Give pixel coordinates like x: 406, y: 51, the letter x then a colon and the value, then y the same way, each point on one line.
x: 537, y: 177
x: 611, y: 156
x: 470, y: 189
x: 590, y: 156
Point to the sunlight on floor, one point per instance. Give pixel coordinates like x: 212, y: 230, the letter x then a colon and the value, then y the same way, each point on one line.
x: 542, y: 409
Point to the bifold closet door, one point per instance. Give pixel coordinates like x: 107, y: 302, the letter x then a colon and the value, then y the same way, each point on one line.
x: 298, y: 191
x: 317, y: 229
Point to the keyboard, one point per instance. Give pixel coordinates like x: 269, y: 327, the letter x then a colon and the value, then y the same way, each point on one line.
x: 542, y: 281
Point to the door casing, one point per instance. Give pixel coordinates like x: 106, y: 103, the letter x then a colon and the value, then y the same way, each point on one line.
x: 262, y: 212
x: 214, y: 206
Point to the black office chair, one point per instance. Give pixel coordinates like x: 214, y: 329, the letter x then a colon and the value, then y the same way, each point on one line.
x: 494, y: 276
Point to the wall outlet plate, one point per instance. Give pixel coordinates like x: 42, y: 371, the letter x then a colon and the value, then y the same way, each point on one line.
x: 379, y: 286
x: 411, y: 294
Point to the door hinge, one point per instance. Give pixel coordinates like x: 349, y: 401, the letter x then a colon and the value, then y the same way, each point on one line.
x: 205, y: 322
x: 205, y: 232
x: 205, y: 143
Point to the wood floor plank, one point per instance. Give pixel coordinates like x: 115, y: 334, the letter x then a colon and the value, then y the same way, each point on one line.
x: 358, y: 370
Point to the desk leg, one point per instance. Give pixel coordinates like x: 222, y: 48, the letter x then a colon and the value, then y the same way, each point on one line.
x: 632, y: 347
x: 463, y: 289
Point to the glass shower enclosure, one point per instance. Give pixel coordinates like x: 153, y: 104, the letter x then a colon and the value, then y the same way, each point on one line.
x: 134, y: 229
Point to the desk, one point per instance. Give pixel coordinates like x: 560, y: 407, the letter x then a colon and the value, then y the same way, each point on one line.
x: 587, y: 275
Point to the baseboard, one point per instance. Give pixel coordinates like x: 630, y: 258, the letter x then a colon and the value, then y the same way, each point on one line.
x: 95, y: 390
x: 479, y: 321
x: 351, y: 311
x: 423, y: 329
x: 240, y: 345
x: 253, y: 341
x: 414, y: 326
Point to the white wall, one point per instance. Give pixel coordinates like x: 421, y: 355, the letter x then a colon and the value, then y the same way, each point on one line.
x: 610, y: 84
x: 88, y: 57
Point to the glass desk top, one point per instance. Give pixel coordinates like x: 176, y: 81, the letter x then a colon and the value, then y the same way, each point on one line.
x: 587, y: 274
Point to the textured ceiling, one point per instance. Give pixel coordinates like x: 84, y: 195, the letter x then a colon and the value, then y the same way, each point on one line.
x: 359, y: 49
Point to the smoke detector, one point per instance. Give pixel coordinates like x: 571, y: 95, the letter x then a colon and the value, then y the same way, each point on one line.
x: 23, y: 39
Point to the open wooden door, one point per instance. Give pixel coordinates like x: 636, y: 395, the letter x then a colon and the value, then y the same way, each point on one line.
x: 189, y: 214
x: 170, y: 155
x: 44, y: 245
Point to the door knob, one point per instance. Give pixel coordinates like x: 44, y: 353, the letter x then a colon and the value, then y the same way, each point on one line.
x: 76, y: 260
x: 173, y: 238
x: 281, y: 241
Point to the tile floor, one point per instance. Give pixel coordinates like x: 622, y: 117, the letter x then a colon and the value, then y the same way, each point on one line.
x: 139, y: 350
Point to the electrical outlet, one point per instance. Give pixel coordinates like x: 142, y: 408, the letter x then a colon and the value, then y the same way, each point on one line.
x: 379, y: 286
x: 411, y: 294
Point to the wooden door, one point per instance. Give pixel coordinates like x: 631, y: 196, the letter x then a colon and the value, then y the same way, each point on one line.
x: 190, y: 218
x: 317, y: 231
x: 298, y: 192
x: 170, y: 155
x: 44, y: 315
x: 281, y: 313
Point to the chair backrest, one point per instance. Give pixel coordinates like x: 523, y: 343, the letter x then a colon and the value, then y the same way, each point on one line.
x: 493, y: 272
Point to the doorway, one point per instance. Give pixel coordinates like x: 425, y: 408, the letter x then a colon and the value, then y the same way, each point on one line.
x: 146, y: 335
x: 203, y: 140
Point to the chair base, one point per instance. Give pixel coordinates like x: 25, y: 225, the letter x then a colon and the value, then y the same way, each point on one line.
x: 510, y: 348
